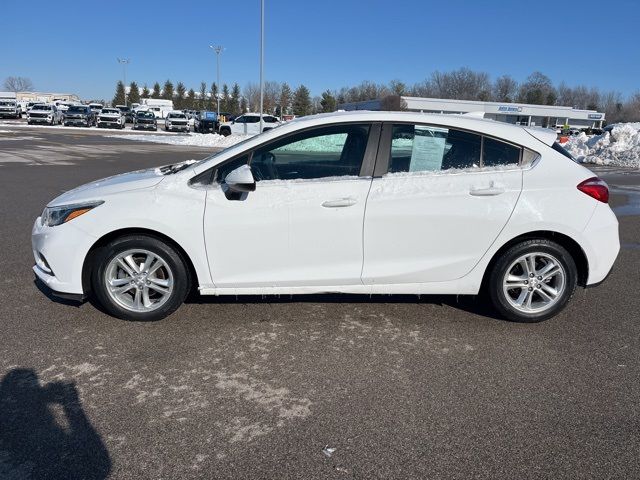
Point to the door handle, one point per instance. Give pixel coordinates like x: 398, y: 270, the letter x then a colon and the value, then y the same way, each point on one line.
x: 342, y: 202
x: 486, y: 192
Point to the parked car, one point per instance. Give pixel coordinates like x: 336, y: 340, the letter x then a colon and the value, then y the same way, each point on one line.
x: 176, y: 121
x: 145, y: 120
x: 44, y: 113
x: 248, y: 124
x: 79, y: 115
x: 205, y: 122
x: 127, y: 112
x: 111, y: 118
x: 354, y: 202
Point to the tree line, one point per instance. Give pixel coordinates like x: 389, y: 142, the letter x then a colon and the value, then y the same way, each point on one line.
x: 462, y: 84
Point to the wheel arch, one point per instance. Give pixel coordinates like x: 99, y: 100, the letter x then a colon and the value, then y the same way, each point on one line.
x: 574, y: 249
x: 105, y: 239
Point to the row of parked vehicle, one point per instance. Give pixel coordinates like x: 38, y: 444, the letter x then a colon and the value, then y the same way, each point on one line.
x: 95, y: 114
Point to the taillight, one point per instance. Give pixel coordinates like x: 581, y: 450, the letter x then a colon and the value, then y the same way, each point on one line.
x: 595, y: 188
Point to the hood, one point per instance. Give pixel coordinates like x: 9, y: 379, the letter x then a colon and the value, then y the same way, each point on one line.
x: 109, y: 186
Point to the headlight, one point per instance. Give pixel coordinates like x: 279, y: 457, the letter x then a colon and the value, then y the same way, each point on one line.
x: 53, y: 216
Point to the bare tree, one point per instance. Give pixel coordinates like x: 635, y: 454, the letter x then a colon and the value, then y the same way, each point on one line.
x: 271, y: 96
x: 251, y: 93
x: 537, y: 90
x: 18, y: 84
x: 505, y: 89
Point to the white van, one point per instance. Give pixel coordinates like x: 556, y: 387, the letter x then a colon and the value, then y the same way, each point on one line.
x: 160, y: 107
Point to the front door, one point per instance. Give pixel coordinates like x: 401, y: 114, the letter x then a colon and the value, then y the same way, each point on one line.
x: 302, y: 226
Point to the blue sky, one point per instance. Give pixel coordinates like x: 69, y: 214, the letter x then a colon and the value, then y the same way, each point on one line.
x: 321, y: 43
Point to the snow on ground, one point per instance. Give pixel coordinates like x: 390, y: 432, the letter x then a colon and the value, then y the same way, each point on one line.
x: 621, y: 147
x: 92, y: 129
x: 196, y: 140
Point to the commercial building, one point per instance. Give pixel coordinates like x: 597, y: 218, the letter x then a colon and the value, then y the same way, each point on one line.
x: 47, y: 97
x: 515, y: 113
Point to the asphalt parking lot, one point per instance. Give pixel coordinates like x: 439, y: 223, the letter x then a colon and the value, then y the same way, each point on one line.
x: 400, y: 386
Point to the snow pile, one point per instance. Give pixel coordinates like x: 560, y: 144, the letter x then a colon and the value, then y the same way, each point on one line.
x: 620, y: 147
x: 195, y: 140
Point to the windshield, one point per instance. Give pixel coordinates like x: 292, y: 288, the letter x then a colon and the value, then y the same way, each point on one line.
x: 41, y: 107
x: 146, y: 114
x: 7, y: 103
x: 124, y: 109
x: 176, y: 115
x: 110, y: 110
x: 76, y: 109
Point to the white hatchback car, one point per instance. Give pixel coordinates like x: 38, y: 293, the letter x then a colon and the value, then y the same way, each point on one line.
x: 356, y: 202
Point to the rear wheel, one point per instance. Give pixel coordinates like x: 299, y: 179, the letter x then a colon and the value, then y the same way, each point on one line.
x: 225, y: 131
x: 139, y: 277
x: 532, y: 281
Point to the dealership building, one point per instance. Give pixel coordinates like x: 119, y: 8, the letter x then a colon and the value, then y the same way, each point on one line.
x: 515, y: 113
x: 46, y: 97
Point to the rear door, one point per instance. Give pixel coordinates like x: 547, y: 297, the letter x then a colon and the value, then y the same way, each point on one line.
x: 440, y: 198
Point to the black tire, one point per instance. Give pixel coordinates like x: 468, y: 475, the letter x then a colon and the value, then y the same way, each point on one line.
x: 499, y: 271
x: 172, y: 258
x: 225, y: 132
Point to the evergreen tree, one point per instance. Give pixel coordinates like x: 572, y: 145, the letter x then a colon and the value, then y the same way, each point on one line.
x: 285, y: 99
x: 243, y: 105
x: 203, y: 96
x: 145, y: 92
x: 167, y: 91
x: 134, y: 93
x: 328, y: 102
x: 118, y: 98
x: 156, y: 90
x: 226, y: 100
x: 301, y: 101
x: 234, y: 101
x: 180, y: 94
x: 213, y: 100
x: 190, y: 102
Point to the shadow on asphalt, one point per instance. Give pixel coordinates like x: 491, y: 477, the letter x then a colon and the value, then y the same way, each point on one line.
x: 44, y: 432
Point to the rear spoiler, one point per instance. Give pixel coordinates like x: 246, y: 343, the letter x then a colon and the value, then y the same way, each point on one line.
x: 545, y: 135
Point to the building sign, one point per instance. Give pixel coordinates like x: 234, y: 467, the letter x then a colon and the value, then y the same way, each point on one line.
x: 509, y: 109
x: 595, y: 116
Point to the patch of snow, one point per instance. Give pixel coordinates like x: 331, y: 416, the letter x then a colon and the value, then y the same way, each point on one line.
x: 197, y: 140
x: 620, y: 147
x: 5, y: 131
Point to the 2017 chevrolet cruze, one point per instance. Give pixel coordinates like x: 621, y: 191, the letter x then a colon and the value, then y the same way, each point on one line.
x: 362, y: 202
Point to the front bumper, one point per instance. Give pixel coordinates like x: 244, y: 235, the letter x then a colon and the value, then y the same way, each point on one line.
x: 178, y: 128
x: 59, y: 254
x: 109, y: 123
x: 39, y: 120
x: 76, y: 121
x: 145, y: 126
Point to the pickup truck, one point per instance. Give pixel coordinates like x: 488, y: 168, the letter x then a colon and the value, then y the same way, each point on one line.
x: 44, y: 113
x: 79, y: 115
x: 145, y: 120
x: 177, y: 121
x: 9, y: 106
x: 205, y: 121
x: 111, y: 117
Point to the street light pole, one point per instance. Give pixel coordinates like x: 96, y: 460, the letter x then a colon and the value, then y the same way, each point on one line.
x: 218, y: 49
x: 124, y: 62
x: 261, y: 63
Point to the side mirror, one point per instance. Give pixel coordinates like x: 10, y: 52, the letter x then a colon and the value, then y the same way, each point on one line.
x: 241, y: 180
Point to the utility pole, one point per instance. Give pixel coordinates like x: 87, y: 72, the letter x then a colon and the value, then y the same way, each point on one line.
x: 124, y: 62
x: 218, y: 49
x: 261, y: 63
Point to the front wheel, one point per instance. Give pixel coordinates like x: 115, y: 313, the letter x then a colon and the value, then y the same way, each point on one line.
x: 532, y: 281
x: 139, y: 277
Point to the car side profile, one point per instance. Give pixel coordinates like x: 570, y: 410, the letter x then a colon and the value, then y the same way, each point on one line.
x: 248, y: 124
x: 354, y: 202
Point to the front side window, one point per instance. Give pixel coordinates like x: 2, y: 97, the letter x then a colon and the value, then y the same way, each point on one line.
x: 239, y: 120
x: 251, y: 119
x: 423, y: 148
x: 334, y: 151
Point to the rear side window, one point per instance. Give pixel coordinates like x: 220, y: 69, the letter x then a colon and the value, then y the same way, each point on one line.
x: 422, y: 148
x: 495, y: 153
